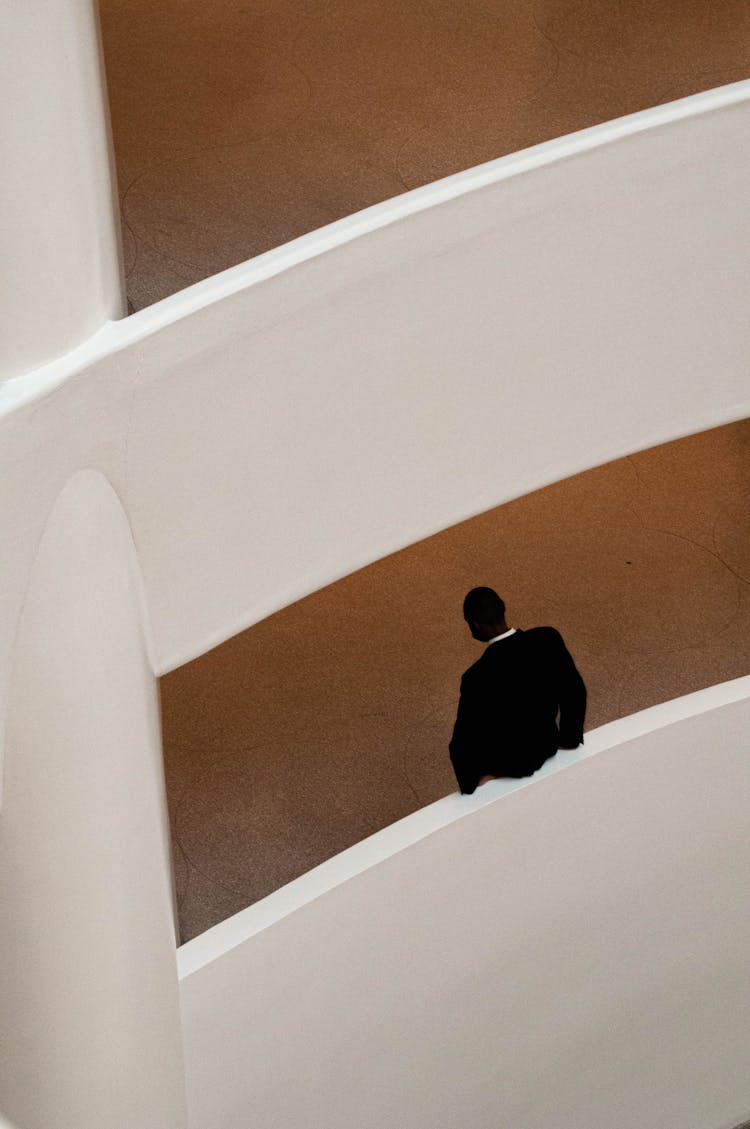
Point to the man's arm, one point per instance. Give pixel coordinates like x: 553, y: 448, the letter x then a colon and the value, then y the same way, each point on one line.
x: 572, y: 699
x: 463, y: 742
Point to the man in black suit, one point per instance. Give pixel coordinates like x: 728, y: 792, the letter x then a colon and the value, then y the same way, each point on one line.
x: 507, y: 713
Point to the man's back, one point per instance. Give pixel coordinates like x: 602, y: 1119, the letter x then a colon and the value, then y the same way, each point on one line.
x: 510, y: 698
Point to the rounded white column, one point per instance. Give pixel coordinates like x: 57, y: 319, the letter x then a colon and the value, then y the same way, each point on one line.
x: 89, y: 1023
x: 61, y: 273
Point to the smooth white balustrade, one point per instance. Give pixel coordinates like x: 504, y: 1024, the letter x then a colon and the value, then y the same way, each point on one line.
x: 282, y: 424
x: 568, y: 951
x: 279, y: 425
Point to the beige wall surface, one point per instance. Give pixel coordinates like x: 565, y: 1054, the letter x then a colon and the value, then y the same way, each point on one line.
x: 60, y: 234
x: 572, y: 951
x: 437, y: 366
x: 278, y: 426
x: 89, y: 1023
x: 325, y: 404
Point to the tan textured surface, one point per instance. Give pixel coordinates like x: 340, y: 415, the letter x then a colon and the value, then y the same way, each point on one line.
x: 331, y: 719
x: 238, y: 127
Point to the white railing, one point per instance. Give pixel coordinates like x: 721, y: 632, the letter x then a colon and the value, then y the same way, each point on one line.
x: 282, y: 424
x: 292, y: 419
x: 570, y: 949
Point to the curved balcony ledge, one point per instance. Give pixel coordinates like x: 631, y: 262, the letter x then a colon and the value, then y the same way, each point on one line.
x: 222, y: 938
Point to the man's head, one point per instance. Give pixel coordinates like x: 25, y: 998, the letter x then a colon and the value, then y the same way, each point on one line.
x: 484, y: 612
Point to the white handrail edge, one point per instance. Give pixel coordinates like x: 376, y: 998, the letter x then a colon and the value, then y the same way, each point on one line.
x: 227, y: 935
x: 116, y: 335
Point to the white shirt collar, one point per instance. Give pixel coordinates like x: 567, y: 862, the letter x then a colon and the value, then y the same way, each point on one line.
x: 505, y: 634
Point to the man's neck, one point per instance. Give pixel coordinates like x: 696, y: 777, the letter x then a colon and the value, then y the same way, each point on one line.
x: 503, y: 633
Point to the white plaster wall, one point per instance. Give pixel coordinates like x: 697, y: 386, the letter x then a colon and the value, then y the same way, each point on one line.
x: 570, y: 951
x: 280, y: 425
x: 59, y: 236
x: 455, y: 358
x: 89, y: 1022
x: 268, y: 431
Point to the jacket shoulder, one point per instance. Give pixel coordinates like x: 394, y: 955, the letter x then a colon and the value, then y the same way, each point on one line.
x: 471, y: 672
x: 544, y: 634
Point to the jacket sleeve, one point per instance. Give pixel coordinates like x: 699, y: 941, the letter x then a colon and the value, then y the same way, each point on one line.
x: 463, y: 742
x: 571, y: 697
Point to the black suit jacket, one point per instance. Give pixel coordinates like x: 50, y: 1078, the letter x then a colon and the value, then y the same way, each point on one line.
x: 510, y: 699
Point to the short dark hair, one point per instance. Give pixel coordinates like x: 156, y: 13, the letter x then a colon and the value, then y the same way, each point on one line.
x: 483, y: 605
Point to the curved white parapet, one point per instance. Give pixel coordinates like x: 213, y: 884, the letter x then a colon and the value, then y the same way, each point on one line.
x: 276, y: 427
x: 282, y: 424
x: 225, y: 936
x: 569, y: 950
